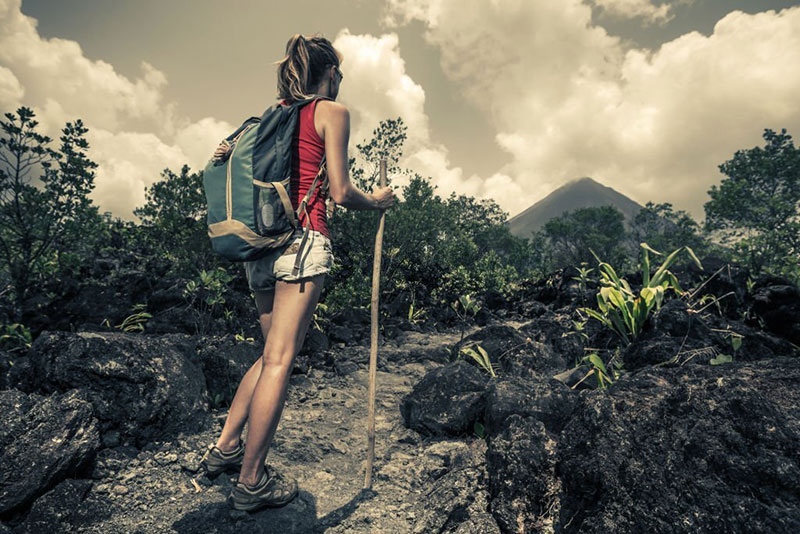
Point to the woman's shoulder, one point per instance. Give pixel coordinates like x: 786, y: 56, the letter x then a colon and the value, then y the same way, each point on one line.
x: 332, y: 113
x: 331, y: 106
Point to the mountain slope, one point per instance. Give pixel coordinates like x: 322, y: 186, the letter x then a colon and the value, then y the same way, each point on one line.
x: 581, y: 193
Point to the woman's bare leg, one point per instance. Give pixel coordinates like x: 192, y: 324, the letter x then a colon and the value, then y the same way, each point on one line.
x: 240, y: 406
x: 294, y: 304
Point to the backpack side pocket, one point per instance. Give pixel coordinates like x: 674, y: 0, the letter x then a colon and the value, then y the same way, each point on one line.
x: 273, y: 210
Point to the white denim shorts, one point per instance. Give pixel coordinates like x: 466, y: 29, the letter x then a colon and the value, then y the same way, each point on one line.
x: 317, y: 258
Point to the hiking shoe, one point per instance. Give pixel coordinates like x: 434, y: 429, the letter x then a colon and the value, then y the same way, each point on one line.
x: 215, y: 461
x: 273, y: 490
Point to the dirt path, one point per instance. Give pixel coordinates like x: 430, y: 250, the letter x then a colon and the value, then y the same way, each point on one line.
x: 321, y: 440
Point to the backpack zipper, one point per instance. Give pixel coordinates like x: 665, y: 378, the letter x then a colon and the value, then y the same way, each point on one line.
x: 228, y: 186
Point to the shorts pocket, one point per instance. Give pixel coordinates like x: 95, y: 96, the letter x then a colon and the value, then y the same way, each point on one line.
x: 323, y: 257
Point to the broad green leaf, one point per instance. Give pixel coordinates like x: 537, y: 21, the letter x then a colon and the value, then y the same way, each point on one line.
x: 656, y: 279
x: 597, y: 362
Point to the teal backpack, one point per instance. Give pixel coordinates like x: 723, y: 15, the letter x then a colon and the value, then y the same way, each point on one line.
x: 247, y: 187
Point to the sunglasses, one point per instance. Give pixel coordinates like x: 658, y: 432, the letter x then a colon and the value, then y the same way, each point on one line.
x: 341, y: 76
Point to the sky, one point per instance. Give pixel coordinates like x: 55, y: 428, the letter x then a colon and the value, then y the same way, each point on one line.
x: 503, y: 99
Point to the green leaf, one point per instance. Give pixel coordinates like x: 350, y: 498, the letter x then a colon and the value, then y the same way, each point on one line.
x: 597, y: 362
x: 694, y: 257
x: 657, y: 277
x: 647, y: 247
x: 721, y: 359
x: 479, y: 430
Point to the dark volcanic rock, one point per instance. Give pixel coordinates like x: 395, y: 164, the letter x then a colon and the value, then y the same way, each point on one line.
x: 689, y: 449
x: 672, y: 334
x: 521, y: 465
x: 42, y: 441
x: 458, y: 501
x: 577, y: 378
x: 142, y: 386
x: 341, y: 334
x: 224, y: 362
x: 6, y: 363
x: 57, y: 510
x: 496, y: 340
x: 533, y: 360
x: 719, y: 277
x: 515, y: 353
x: 447, y: 401
x: 557, y: 290
x: 548, y: 401
x: 779, y: 306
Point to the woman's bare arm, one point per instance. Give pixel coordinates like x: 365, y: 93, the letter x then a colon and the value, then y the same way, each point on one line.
x: 335, y: 122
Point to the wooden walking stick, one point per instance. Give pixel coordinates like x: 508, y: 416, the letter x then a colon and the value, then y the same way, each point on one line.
x: 373, y: 350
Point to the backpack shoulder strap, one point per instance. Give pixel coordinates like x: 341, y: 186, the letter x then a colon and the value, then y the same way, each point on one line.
x: 244, y: 125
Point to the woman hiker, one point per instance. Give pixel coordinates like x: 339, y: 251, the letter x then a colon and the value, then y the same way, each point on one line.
x: 286, y: 303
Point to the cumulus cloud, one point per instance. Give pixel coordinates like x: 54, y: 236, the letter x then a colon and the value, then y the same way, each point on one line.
x: 568, y: 100
x: 11, y: 91
x: 55, y: 79
x: 378, y: 88
x: 644, y: 9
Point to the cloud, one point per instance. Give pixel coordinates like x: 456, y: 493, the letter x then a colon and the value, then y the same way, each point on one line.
x: 644, y: 9
x: 568, y: 100
x: 11, y: 90
x: 376, y: 88
x: 55, y: 79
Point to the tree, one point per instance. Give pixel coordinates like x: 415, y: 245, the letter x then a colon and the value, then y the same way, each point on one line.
x: 757, y: 206
x: 174, y: 219
x: 573, y: 233
x: 35, y: 220
x: 434, y: 249
x: 387, y: 141
x: 664, y: 229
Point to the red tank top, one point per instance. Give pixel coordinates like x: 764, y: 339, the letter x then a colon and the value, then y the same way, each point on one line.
x: 308, y: 149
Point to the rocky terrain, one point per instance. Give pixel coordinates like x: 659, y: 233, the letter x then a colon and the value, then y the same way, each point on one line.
x: 103, y: 430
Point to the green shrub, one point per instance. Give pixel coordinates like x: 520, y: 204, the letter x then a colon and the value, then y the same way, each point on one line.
x: 479, y: 354
x: 622, y: 309
x: 206, y: 295
x: 136, y: 321
x: 15, y: 337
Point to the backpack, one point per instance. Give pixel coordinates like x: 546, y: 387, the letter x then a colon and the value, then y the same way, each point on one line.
x: 247, y: 187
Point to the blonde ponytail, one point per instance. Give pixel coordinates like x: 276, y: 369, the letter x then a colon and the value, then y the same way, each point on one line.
x: 303, y: 65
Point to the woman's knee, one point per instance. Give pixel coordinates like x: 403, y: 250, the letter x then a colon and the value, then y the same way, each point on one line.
x: 278, y: 356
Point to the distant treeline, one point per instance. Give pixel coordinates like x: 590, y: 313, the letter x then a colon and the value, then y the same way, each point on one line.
x: 435, y: 249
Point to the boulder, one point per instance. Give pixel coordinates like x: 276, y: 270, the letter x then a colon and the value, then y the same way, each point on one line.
x: 43, y: 440
x: 577, y: 378
x: 224, y: 362
x: 548, y: 401
x: 521, y: 462
x: 142, y: 386
x: 341, y: 334
x: 457, y: 501
x: 673, y: 334
x: 6, y: 363
x: 513, y: 352
x: 496, y: 340
x: 779, y: 306
x: 57, y: 510
x: 694, y: 449
x: 447, y: 401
